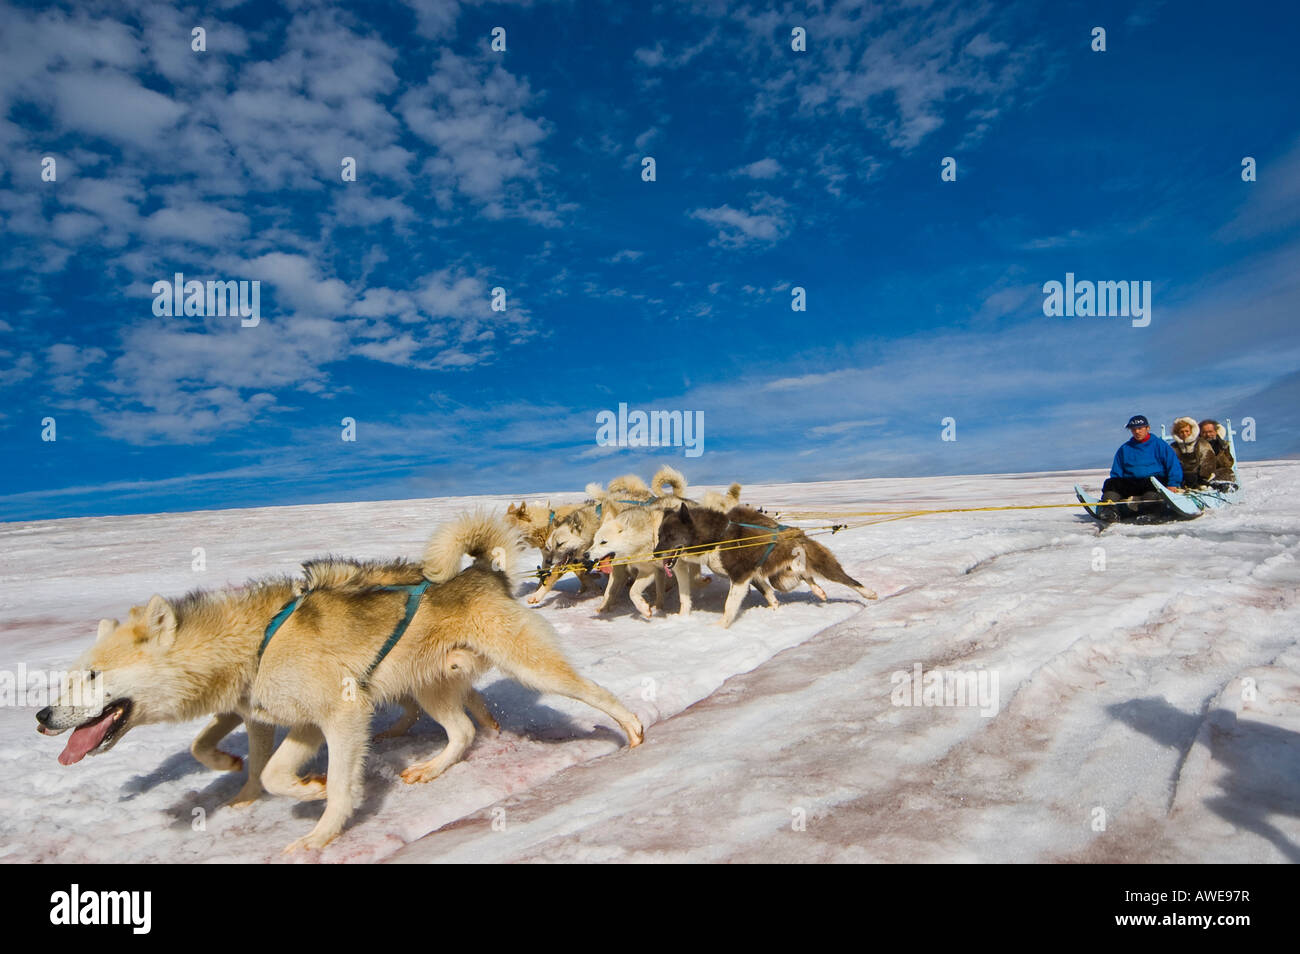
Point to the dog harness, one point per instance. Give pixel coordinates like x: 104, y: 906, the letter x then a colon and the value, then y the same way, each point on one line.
x: 543, y: 571
x: 780, y: 528
x: 413, y: 593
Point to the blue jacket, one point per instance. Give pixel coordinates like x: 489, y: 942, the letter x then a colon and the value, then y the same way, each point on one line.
x: 1152, y: 458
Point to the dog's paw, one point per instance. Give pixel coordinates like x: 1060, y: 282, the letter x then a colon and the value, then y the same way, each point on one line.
x: 230, y: 763
x: 245, y: 797
x: 220, y: 761
x: 420, y: 772
x: 533, y: 599
x: 309, y: 788
x: 312, y: 842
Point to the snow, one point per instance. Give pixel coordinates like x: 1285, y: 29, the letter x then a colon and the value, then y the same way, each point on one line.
x: 1156, y: 696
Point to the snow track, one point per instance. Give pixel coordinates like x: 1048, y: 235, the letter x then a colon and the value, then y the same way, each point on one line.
x: 1157, y: 695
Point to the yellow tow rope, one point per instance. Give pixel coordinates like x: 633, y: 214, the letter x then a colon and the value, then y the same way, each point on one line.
x: 763, y: 539
x: 900, y: 514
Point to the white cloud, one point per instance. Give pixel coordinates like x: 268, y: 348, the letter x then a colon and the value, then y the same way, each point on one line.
x: 198, y: 222
x: 115, y: 106
x: 895, y: 74
x: 486, y: 147
x: 764, y: 223
x: 762, y: 169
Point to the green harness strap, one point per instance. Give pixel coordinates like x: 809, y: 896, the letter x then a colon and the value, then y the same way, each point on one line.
x: 272, y: 627
x: 780, y: 528
x: 413, y: 593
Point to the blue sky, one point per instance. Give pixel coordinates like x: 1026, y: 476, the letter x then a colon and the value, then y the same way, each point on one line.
x: 522, y: 169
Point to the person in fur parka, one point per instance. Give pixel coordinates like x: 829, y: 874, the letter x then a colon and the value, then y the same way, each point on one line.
x: 1197, y: 457
x: 1212, y: 433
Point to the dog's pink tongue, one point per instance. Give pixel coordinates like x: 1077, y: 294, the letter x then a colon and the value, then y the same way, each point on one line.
x: 604, y: 565
x: 85, y: 738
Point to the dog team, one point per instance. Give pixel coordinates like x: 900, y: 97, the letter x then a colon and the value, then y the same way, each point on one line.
x: 639, y: 534
x: 319, y: 654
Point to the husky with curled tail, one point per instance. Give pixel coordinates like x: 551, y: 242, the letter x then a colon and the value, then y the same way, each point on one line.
x: 343, y: 573
x: 749, y: 547
x: 334, y: 658
x: 312, y: 656
x: 568, y: 538
x: 624, y: 543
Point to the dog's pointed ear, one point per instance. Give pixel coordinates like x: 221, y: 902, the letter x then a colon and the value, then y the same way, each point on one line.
x: 511, y: 509
x: 106, y: 628
x: 522, y: 511
x: 161, y: 620
x: 684, y: 513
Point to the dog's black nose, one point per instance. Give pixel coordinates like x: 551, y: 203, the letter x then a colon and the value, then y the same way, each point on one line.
x: 43, y: 717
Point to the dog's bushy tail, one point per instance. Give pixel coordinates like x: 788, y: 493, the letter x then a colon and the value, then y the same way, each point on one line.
x: 822, y: 562
x: 720, y: 502
x: 671, y: 478
x: 343, y: 573
x: 491, y: 542
x: 629, y: 485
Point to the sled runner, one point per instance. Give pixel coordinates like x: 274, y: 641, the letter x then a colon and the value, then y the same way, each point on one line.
x: 1089, y: 503
x: 1151, y: 508
x: 1193, y: 503
x: 1180, y: 506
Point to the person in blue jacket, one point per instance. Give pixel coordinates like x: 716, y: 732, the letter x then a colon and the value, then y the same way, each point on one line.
x: 1138, y: 459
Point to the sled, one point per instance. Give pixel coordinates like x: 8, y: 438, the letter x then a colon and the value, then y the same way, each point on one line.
x: 1089, y: 503
x: 1181, y: 506
x: 1176, y: 505
x: 1193, y: 503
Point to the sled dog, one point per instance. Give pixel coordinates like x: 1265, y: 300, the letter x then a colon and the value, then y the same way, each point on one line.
x: 571, y: 538
x: 749, y: 547
x: 624, y: 543
x: 537, y: 521
x: 320, y: 670
x: 143, y: 684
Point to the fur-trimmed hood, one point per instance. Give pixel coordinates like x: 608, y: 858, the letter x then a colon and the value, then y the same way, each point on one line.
x: 1188, y: 446
x: 1191, y: 421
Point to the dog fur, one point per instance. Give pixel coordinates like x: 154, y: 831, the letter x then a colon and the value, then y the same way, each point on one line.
x: 536, y: 521
x: 361, y: 575
x: 567, y: 540
x: 629, y: 530
x: 174, y: 661
x: 717, y: 540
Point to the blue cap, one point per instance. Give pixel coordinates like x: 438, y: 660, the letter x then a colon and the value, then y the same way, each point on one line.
x: 1137, y: 420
